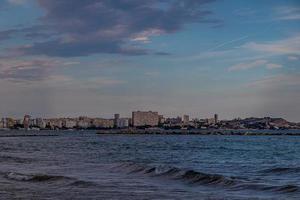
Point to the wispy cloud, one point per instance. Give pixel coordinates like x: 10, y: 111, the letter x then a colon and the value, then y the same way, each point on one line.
x: 29, y: 70
x: 280, y: 47
x: 288, y: 13
x: 273, y: 66
x: 17, y: 2
x: 277, y: 81
x: 293, y: 58
x: 254, y: 64
x: 229, y: 42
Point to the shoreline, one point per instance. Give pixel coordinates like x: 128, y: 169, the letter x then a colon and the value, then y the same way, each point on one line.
x: 224, y: 132
x: 201, y: 132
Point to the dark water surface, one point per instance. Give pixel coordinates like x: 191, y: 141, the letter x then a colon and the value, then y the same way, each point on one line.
x: 83, y: 165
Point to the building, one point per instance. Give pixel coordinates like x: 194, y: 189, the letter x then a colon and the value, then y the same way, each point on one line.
x: 69, y: 123
x: 40, y: 123
x: 122, y: 123
x: 116, y: 118
x: 3, y: 123
x: 216, y: 118
x: 142, y: 118
x: 55, y: 123
x: 26, y: 121
x: 103, y: 123
x: 186, y: 120
x: 210, y: 121
x: 161, y: 119
x: 174, y: 121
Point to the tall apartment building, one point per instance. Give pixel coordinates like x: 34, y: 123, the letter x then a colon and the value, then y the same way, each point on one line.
x: 116, y: 119
x: 186, y: 120
x: 216, y: 118
x: 26, y: 121
x: 141, y: 118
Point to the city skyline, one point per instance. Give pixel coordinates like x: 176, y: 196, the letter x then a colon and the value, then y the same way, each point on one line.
x: 97, y: 57
x: 146, y: 120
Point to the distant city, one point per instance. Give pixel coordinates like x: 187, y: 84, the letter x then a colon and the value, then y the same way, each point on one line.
x: 144, y: 120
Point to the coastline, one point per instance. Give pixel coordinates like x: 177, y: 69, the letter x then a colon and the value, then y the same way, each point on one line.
x: 201, y: 132
x: 207, y: 132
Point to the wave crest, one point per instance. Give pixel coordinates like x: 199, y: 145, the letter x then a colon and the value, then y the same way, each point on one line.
x: 190, y: 176
x: 33, y: 178
x: 206, y: 179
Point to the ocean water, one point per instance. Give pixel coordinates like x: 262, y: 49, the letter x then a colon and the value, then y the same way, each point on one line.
x: 83, y: 165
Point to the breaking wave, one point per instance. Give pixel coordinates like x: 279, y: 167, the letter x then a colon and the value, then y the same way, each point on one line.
x: 194, y: 177
x: 33, y: 178
x: 44, y: 178
x: 190, y: 176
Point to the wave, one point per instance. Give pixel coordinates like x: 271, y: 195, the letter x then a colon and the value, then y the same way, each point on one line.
x: 263, y: 187
x: 205, y: 179
x: 33, y: 178
x: 287, y: 189
x: 190, y: 176
x: 80, y: 183
x: 39, y: 178
x: 282, y: 170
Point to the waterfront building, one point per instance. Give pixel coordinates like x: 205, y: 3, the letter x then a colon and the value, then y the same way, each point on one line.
x: 174, y: 121
x: 10, y: 123
x: 55, y: 123
x: 122, y: 123
x: 186, y: 120
x: 40, y: 123
x: 26, y: 121
x: 32, y: 122
x: 216, y: 118
x: 69, y: 123
x: 210, y: 121
x: 161, y: 119
x: 142, y: 118
x: 83, y: 124
x: 18, y: 122
x: 103, y: 123
x: 3, y: 123
x: 116, y: 118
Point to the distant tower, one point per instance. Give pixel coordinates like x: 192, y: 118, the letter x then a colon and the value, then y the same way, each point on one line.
x: 186, y: 120
x: 116, y: 119
x: 26, y: 122
x: 216, y: 118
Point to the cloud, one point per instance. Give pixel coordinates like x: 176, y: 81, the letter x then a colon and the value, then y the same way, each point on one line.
x: 17, y: 2
x: 288, y: 13
x: 278, y: 81
x: 245, y: 66
x: 292, y: 58
x: 254, y: 64
x: 104, y: 26
x: 29, y: 70
x: 281, y: 47
x: 273, y: 66
x: 145, y: 35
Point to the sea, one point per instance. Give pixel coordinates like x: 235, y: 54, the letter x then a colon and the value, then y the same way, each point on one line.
x: 83, y: 165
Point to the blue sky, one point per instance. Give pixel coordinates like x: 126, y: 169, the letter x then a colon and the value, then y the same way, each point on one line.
x: 197, y: 57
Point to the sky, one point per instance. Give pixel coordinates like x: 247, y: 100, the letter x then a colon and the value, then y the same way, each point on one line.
x: 62, y: 58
